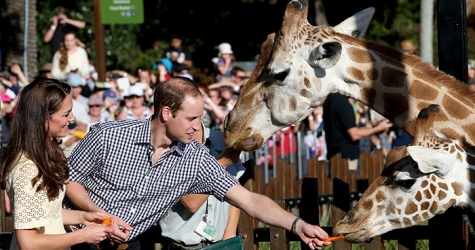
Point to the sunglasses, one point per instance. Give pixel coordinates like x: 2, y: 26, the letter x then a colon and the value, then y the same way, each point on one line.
x: 134, y: 96
x: 95, y: 106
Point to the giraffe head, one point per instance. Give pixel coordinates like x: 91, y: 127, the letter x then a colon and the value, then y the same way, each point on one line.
x: 419, y: 181
x: 292, y: 76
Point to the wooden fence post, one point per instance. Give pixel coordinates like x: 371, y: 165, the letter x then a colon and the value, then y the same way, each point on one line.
x: 308, y: 206
x: 340, y: 206
x: 278, y: 236
x: 247, y: 223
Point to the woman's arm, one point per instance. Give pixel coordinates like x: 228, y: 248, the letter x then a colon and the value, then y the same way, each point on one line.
x: 30, y: 239
x: 233, y: 220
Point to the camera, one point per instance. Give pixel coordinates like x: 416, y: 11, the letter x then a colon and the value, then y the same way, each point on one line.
x: 60, y: 20
x: 5, y: 75
x: 114, y: 75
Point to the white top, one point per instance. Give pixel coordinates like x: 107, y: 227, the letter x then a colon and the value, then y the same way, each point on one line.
x: 77, y: 60
x: 31, y: 209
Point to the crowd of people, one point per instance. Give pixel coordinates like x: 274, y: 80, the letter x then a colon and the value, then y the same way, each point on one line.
x: 76, y: 150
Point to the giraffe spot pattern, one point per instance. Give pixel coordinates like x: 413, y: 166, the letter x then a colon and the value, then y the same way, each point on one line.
x: 411, y: 207
x: 368, y: 94
x: 355, y: 73
x: 427, y: 194
x: 456, y: 109
x: 434, y: 207
x: 393, y: 77
x: 424, y: 184
x: 442, y: 195
x: 305, y: 93
x: 449, y: 204
x: 418, y: 196
x: 399, y: 200
x: 459, y: 157
x: 395, y: 104
x: 416, y: 218
x: 443, y: 186
x: 406, y: 221
x: 458, y: 188
x: 425, y: 216
x: 452, y: 149
x: 380, y: 197
x: 469, y: 131
x: 367, y: 205
x: 372, y: 74
x: 293, y: 104
x: 391, y: 208
x: 422, y: 91
x: 432, y: 188
x: 360, y: 56
x: 425, y: 205
x: 306, y: 82
x: 471, y: 161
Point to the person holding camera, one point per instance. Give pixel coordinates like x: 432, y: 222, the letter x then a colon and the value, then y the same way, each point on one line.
x: 70, y: 59
x: 60, y: 25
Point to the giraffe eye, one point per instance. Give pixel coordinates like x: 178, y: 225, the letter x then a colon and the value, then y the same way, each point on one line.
x: 405, y: 183
x: 280, y: 76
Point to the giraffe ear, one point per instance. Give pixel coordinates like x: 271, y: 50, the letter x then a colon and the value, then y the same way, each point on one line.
x: 357, y: 24
x: 431, y: 160
x: 326, y: 55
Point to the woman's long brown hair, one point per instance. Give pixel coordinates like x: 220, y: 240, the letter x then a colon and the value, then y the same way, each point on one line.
x: 30, y: 135
x: 63, y: 52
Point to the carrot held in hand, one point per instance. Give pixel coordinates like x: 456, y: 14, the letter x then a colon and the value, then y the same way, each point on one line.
x: 107, y: 221
x: 334, y: 238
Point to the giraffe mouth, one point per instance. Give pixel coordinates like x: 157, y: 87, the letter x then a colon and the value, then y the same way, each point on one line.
x: 359, y: 236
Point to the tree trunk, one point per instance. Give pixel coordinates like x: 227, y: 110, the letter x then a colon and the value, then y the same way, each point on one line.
x: 13, y: 35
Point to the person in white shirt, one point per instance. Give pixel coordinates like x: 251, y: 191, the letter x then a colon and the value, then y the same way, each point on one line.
x: 70, y: 59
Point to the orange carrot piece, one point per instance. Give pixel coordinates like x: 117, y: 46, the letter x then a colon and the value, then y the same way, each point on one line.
x: 334, y: 238
x: 107, y: 221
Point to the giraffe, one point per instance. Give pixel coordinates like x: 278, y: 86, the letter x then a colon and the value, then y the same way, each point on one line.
x: 301, y: 64
x: 419, y: 181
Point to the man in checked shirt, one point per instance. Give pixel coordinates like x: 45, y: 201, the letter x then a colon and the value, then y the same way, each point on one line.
x: 136, y: 170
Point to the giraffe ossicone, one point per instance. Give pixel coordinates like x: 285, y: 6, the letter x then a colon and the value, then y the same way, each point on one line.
x: 301, y: 64
x: 419, y: 181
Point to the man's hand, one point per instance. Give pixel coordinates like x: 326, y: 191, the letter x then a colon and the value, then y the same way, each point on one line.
x: 228, y: 157
x: 312, y: 235
x: 121, y: 230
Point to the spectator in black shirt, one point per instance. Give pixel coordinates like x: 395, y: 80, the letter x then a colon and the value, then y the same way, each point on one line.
x: 178, y: 53
x: 61, y: 24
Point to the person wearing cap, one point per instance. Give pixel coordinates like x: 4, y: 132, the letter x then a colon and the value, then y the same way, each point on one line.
x: 164, y: 68
x: 225, y: 61
x: 135, y: 108
x: 111, y: 103
x: 97, y: 113
x: 182, y: 70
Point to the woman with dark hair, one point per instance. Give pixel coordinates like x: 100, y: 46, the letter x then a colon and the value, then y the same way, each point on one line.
x: 34, y: 171
x: 70, y: 59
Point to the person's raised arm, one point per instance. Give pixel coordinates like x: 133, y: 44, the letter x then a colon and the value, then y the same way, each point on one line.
x: 76, y: 23
x: 267, y: 211
x: 50, y: 32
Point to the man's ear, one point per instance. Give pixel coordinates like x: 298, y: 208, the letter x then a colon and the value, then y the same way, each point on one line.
x: 165, y: 113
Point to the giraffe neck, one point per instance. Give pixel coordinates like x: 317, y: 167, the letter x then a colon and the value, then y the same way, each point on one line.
x: 398, y: 86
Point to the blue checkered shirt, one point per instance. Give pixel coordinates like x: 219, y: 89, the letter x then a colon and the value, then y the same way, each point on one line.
x: 114, y: 164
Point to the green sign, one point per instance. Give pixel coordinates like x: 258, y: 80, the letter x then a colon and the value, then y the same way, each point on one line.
x: 122, y: 11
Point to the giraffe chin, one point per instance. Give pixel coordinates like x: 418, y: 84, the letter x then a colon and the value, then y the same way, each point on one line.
x: 359, y: 236
x: 249, y: 143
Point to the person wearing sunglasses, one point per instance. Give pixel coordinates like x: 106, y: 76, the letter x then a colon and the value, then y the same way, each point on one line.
x: 135, y: 108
